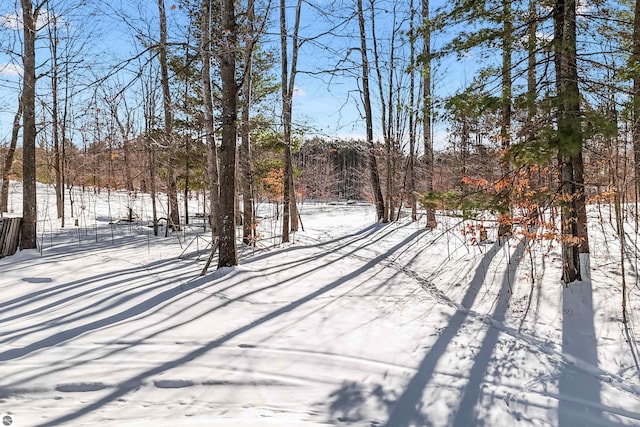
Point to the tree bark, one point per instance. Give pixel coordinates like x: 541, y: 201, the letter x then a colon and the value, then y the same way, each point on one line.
x: 289, y: 208
x: 572, y: 196
x: 504, y: 229
x: 57, y: 163
x: 373, y: 163
x: 8, y: 160
x: 385, y: 116
x: 426, y: 120
x: 29, y: 201
x: 635, y: 126
x: 229, y: 35
x: 531, y: 70
x: 411, y: 173
x: 172, y: 192
x: 248, y: 222
x: 212, y: 158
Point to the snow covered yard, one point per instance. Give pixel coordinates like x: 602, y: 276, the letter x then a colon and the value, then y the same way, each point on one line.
x: 354, y: 324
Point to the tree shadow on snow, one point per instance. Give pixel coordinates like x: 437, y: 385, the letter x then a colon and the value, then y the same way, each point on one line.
x: 406, y: 410
x: 355, y: 402
x: 466, y: 415
x: 137, y: 312
x: 579, y: 391
x: 136, y: 381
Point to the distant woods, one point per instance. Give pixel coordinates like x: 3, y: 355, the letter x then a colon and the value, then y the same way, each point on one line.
x: 525, y: 111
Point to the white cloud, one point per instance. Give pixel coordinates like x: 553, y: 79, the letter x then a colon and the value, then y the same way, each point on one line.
x: 10, y: 69
x: 544, y: 37
x: 13, y: 21
x: 583, y: 7
x: 299, y: 92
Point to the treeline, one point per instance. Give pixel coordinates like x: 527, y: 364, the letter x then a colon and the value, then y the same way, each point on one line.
x: 545, y: 120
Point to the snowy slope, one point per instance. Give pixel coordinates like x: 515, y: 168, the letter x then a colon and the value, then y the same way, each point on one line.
x: 353, y: 324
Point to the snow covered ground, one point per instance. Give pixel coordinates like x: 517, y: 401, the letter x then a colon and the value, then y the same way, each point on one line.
x: 355, y: 323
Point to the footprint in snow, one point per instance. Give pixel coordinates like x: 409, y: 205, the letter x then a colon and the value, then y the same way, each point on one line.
x: 80, y: 387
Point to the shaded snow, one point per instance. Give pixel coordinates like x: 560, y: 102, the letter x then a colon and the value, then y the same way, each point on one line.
x: 353, y: 324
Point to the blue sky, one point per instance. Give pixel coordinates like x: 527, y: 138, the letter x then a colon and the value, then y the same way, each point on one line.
x: 328, y: 104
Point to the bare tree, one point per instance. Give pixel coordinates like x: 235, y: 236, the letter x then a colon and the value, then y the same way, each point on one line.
x: 411, y: 170
x: 366, y: 94
x: 8, y: 160
x: 427, y: 108
x: 635, y: 127
x: 209, y: 126
x: 386, y: 115
x: 289, y: 209
x: 29, y: 202
x: 248, y: 223
x: 172, y: 193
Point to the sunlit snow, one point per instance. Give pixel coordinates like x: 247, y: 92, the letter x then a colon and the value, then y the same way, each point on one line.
x: 354, y: 323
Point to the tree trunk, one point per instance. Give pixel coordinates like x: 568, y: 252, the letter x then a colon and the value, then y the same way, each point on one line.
x: 172, y: 192
x: 227, y: 241
x: 248, y: 223
x: 411, y: 173
x: 426, y: 120
x: 531, y: 70
x: 289, y: 208
x: 212, y: 158
x: 59, y: 191
x: 635, y: 124
x: 8, y: 160
x: 385, y: 116
x: 570, y: 163
x: 373, y: 163
x: 152, y: 188
x: 504, y: 229
x: 29, y: 203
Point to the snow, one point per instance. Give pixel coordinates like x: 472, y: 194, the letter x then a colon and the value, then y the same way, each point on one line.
x: 354, y: 323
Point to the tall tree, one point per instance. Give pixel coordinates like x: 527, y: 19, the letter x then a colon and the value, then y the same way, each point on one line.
x: 427, y: 108
x: 532, y: 44
x: 366, y: 95
x: 52, y: 28
x: 635, y: 65
x: 227, y: 58
x: 29, y: 201
x: 289, y: 209
x: 8, y: 160
x: 209, y: 126
x: 569, y: 140
x: 172, y: 193
x: 248, y: 222
x: 411, y: 171
x: 504, y: 229
x: 386, y: 113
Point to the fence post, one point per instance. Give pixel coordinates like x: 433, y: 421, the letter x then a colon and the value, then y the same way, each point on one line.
x: 9, y: 235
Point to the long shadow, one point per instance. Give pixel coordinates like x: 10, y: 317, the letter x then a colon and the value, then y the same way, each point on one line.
x: 357, y: 235
x: 146, y: 308
x: 361, y: 235
x: 138, y: 380
x: 122, y: 278
x: 74, y: 332
x: 23, y: 300
x: 406, y: 409
x: 96, y: 308
x: 582, y: 408
x: 466, y: 415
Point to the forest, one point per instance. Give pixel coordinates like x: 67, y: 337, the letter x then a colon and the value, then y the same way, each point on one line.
x: 201, y: 97
x: 422, y: 213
